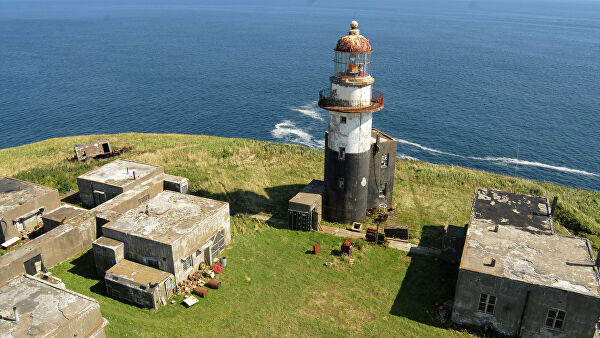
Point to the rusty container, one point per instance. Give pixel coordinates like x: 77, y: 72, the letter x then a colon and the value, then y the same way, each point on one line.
x: 213, y: 284
x: 202, y: 292
x: 317, y: 248
x: 347, y: 247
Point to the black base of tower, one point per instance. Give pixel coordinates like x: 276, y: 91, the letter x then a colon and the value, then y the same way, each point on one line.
x: 346, y: 200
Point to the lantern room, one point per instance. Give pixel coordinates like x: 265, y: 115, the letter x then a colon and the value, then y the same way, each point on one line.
x: 352, y: 55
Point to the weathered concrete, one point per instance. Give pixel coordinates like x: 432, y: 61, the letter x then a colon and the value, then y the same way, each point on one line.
x: 60, y: 215
x: 176, y: 183
x: 22, y: 205
x: 139, y: 284
x: 381, y: 170
x: 305, y: 209
x: 173, y: 232
x: 48, y: 310
x: 107, y: 253
x: 112, y: 179
x: 512, y: 254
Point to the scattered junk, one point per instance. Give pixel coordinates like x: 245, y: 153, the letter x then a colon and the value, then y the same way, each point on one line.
x: 381, y: 217
x: 98, y: 149
x: 347, y: 247
x: 217, y: 268
x: 396, y: 231
x: 213, y: 284
x: 317, y: 248
x: 223, y: 261
x: 305, y: 209
x: 356, y: 226
x: 189, y: 301
x: 375, y: 236
x: 201, y: 292
x: 328, y: 264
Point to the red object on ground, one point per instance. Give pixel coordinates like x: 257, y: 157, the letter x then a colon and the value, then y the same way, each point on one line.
x: 217, y: 268
x: 317, y: 248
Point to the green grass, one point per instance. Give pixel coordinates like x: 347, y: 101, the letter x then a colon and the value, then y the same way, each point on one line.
x: 273, y: 285
x: 290, y: 292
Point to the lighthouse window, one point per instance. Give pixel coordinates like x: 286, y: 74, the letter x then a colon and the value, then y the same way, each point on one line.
x: 385, y: 160
x: 343, y: 119
x: 341, y: 182
x: 342, y: 153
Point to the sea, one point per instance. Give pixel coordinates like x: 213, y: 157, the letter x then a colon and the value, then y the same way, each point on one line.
x: 511, y: 87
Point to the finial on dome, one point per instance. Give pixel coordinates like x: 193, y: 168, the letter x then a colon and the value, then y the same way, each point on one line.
x: 354, y: 28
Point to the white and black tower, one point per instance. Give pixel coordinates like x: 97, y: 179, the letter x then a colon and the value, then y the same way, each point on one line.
x: 351, y: 102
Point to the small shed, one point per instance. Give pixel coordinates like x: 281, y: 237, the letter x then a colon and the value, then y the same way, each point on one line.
x: 306, y: 207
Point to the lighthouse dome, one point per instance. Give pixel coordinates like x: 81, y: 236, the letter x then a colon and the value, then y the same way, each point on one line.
x: 353, y: 42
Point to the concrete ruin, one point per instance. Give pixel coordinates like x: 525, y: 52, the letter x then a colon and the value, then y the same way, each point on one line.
x: 306, y: 207
x: 93, y: 149
x: 112, y: 179
x: 381, y: 170
x: 139, y: 284
x: 60, y: 215
x: 22, y: 205
x: 173, y: 232
x: 520, y: 278
x: 34, y: 307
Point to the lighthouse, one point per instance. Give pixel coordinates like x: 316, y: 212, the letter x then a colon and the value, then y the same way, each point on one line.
x: 350, y: 141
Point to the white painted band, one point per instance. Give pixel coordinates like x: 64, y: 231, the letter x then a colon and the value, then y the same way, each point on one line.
x: 354, y: 135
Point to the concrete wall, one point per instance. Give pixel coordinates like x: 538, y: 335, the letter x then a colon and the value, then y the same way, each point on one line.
x: 47, y: 202
x: 131, y: 292
x: 176, y: 183
x: 106, y: 255
x: 55, y: 246
x: 87, y: 188
x: 197, y: 239
x: 521, y: 308
x: 139, y: 249
x: 379, y: 175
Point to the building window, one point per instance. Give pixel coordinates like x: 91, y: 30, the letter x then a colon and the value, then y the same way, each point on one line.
x: 487, y: 303
x: 385, y: 160
x: 382, y: 190
x: 343, y: 119
x: 151, y: 262
x: 555, y: 318
x: 341, y: 182
x: 342, y: 153
x: 188, y: 262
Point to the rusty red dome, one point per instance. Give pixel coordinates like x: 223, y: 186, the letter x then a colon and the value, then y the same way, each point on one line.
x: 353, y: 42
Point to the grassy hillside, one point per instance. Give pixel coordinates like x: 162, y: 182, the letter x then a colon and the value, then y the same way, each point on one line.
x: 273, y: 285
x: 259, y: 177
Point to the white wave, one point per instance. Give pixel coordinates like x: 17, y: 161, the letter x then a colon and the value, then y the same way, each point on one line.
x: 507, y: 160
x: 311, y: 110
x: 406, y: 157
x: 431, y: 150
x: 288, y: 131
x: 500, y: 160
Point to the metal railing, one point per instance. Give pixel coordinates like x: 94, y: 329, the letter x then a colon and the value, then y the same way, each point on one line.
x: 326, y: 99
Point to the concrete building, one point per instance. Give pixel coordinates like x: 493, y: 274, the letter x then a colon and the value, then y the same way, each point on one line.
x: 520, y: 278
x: 44, y: 309
x: 381, y: 170
x: 351, y: 102
x: 139, y: 284
x: 173, y: 232
x: 112, y: 179
x: 60, y: 215
x: 22, y: 205
x: 306, y: 208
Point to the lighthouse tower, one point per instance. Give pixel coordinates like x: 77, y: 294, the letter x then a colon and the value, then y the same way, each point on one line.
x: 351, y: 102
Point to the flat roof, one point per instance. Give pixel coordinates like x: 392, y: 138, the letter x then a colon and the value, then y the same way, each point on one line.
x: 108, y: 242
x: 171, y: 215
x: 15, y: 192
x: 516, y: 230
x: 135, y: 272
x: 119, y: 172
x: 43, y: 307
x: 64, y: 213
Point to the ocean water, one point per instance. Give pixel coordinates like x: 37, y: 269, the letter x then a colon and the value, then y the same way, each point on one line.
x: 511, y: 87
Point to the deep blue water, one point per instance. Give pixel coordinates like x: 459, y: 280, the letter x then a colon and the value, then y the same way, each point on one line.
x: 469, y: 83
